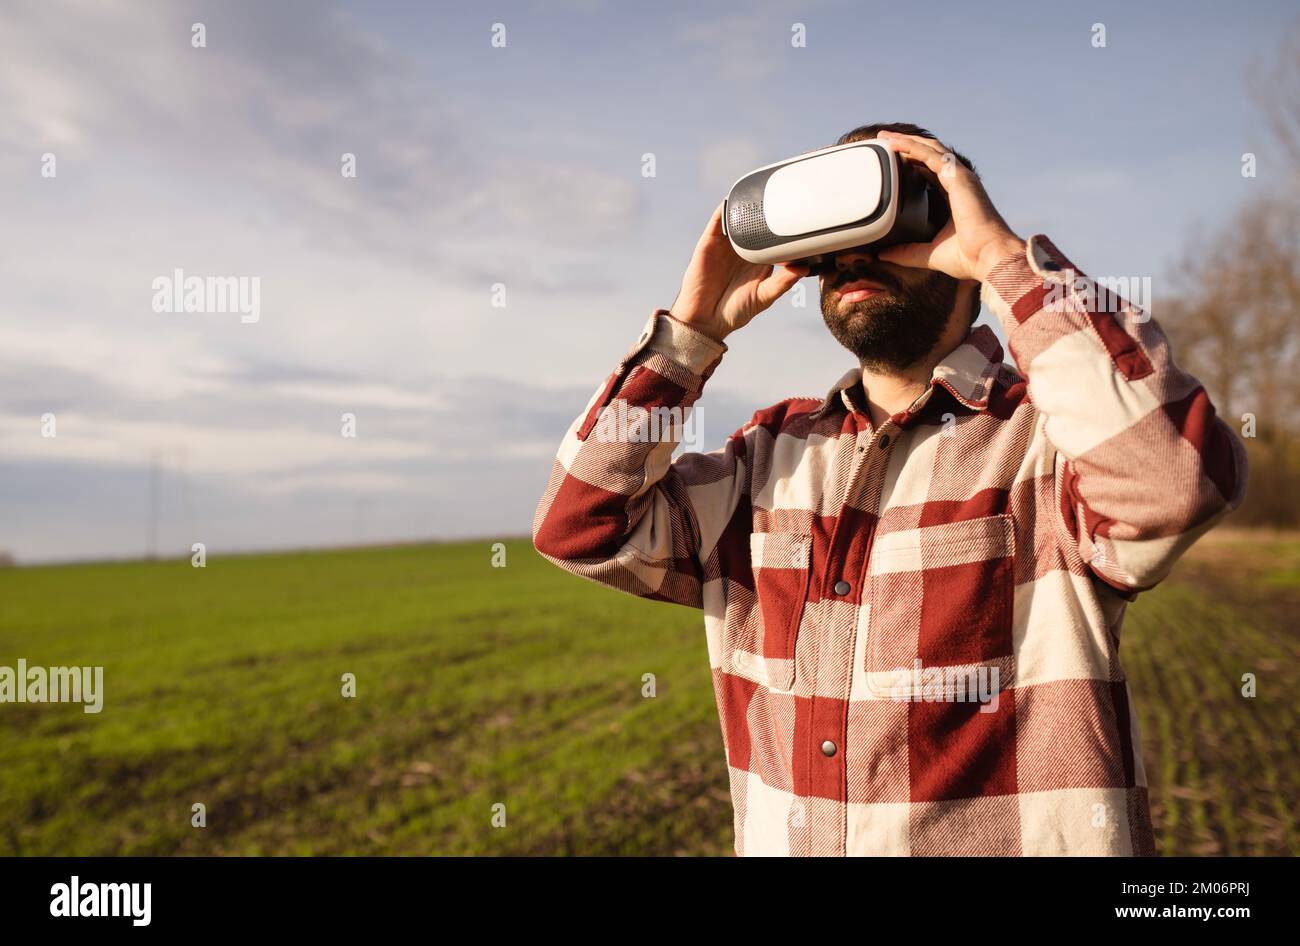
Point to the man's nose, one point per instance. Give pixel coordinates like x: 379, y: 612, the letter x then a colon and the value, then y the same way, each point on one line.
x: 848, y: 260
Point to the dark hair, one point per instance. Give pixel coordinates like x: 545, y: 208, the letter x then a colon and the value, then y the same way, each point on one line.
x: 863, y: 132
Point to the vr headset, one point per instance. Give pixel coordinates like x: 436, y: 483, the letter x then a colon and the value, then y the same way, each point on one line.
x: 804, y: 209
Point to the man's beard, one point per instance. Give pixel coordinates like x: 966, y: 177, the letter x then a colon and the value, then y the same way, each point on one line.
x: 890, y: 332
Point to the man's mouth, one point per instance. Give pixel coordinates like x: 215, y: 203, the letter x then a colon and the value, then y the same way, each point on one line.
x: 860, y: 289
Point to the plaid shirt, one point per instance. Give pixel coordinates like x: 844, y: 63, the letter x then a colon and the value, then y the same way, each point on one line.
x: 914, y: 629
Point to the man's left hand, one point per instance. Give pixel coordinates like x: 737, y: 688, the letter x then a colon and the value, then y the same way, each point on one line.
x: 975, y: 239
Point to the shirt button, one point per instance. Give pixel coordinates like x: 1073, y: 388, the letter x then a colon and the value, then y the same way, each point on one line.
x: 842, y: 587
x: 828, y: 748
x: 884, y: 441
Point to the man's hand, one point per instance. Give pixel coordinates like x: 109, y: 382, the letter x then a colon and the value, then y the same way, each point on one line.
x: 975, y: 239
x: 721, y: 292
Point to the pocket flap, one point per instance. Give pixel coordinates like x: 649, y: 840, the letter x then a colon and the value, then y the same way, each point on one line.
x: 939, y: 546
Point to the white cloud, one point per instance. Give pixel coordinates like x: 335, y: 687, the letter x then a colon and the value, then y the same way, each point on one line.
x: 225, y: 161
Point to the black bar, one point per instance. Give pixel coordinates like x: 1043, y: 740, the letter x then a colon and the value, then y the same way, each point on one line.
x: 966, y: 895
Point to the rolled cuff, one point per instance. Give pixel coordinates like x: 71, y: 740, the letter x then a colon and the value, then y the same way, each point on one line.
x: 678, y: 342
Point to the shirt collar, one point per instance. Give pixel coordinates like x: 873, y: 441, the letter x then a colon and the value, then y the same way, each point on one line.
x: 967, y: 372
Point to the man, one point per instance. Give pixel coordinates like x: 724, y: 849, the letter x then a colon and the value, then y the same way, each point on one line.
x: 912, y: 589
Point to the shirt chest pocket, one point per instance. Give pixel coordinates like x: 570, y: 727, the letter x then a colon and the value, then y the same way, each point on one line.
x: 781, y: 563
x: 941, y: 603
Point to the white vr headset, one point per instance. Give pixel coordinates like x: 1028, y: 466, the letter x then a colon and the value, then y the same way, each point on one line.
x: 803, y: 209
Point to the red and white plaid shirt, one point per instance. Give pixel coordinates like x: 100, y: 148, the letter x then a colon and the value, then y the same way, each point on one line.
x: 914, y: 629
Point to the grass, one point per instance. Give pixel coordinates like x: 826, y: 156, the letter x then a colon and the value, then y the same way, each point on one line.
x: 521, y: 686
x: 1224, y: 769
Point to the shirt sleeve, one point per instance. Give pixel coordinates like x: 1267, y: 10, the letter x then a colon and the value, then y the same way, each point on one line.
x: 618, y: 509
x: 1144, y: 464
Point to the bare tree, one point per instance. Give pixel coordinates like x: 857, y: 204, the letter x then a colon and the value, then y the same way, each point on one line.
x: 1236, y: 321
x: 1274, y: 85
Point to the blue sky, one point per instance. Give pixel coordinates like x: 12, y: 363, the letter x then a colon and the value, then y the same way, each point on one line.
x: 479, y: 165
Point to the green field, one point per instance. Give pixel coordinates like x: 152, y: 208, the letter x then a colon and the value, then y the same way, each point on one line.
x: 522, y: 686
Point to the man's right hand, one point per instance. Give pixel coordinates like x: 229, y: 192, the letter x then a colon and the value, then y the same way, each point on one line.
x: 721, y: 292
